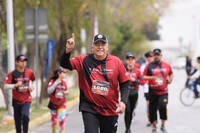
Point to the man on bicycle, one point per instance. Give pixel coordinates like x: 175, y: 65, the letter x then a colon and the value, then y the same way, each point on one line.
x: 197, y: 81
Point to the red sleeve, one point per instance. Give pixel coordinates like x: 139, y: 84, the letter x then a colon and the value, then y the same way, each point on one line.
x: 65, y: 84
x: 32, y: 76
x: 139, y: 74
x: 50, y: 83
x: 145, y: 70
x: 170, y: 70
x: 123, y: 74
x: 8, y: 79
x: 76, y: 62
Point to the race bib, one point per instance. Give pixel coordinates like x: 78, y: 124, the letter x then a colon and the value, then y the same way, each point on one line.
x: 146, y: 88
x: 100, y: 87
x: 59, y: 94
x: 159, y: 81
x: 23, y: 88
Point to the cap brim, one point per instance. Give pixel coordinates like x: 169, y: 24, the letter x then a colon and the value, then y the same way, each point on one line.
x: 158, y: 53
x: 25, y: 59
x: 131, y: 56
x: 100, y: 40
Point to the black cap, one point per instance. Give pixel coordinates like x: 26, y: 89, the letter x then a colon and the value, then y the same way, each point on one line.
x: 148, y: 54
x: 100, y: 37
x: 157, y: 51
x: 129, y: 54
x: 21, y: 58
x: 61, y: 69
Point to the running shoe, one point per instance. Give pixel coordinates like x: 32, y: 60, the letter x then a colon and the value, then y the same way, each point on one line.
x: 154, y: 130
x: 163, y: 129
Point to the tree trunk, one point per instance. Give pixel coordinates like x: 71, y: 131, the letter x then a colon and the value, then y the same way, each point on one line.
x: 2, y: 77
x: 58, y: 51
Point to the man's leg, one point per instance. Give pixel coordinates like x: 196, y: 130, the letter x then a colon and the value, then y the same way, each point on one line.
x: 163, y: 101
x: 18, y: 118
x: 108, y: 124
x: 91, y: 122
x: 194, y: 85
x: 147, y: 109
x: 25, y: 116
x: 153, y: 102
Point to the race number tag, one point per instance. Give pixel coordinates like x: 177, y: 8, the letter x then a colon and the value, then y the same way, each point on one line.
x: 159, y: 81
x: 23, y: 88
x: 59, y: 94
x: 100, y: 87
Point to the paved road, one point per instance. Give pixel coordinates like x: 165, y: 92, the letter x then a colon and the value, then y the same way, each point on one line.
x: 181, y: 119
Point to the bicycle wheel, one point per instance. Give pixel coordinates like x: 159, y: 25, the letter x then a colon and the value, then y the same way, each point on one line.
x: 187, y: 97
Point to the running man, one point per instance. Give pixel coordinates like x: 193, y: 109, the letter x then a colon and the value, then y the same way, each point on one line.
x: 158, y: 94
x: 135, y: 76
x: 101, y: 78
x: 149, y: 58
x: 19, y: 81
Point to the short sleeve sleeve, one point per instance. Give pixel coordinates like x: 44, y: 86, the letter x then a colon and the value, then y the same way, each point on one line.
x: 32, y: 76
x: 8, y: 79
x: 145, y: 70
x: 76, y: 62
x: 123, y: 74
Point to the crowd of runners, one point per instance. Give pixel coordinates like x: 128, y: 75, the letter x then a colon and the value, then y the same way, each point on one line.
x: 108, y: 87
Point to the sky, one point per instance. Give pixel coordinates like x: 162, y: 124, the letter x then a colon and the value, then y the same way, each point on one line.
x: 180, y: 21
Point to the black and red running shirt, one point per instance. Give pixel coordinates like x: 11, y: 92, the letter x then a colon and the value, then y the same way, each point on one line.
x: 162, y: 71
x: 99, y: 82
x: 58, y: 97
x: 136, y: 74
x: 21, y: 94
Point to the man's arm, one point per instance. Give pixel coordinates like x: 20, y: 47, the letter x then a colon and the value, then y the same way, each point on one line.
x: 124, y: 90
x: 65, y: 59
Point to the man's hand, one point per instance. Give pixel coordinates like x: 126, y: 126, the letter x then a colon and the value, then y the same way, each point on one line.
x: 66, y: 93
x: 132, y: 79
x: 18, y: 84
x: 31, y: 89
x: 122, y: 107
x: 70, y: 44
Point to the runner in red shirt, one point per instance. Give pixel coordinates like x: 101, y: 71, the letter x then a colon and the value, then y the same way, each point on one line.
x: 135, y: 77
x: 57, y: 89
x: 101, y: 77
x: 149, y: 58
x: 158, y: 94
x: 19, y: 81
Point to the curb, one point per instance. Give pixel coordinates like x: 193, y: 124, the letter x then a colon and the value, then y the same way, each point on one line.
x: 36, y: 122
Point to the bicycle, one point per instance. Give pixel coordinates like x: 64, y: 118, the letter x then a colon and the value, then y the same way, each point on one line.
x: 187, y: 96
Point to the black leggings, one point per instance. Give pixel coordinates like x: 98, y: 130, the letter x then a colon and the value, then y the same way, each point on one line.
x: 130, y: 106
x: 95, y: 122
x: 158, y: 102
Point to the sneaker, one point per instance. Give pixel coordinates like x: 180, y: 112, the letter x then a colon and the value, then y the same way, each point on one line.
x: 163, y: 129
x: 148, y: 124
x: 154, y: 130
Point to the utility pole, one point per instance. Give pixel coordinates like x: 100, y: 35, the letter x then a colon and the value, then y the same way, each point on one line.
x: 10, y: 48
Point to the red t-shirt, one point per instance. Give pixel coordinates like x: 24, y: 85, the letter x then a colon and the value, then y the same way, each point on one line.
x: 21, y: 94
x: 100, y: 84
x: 58, y: 97
x: 135, y: 73
x: 162, y: 71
